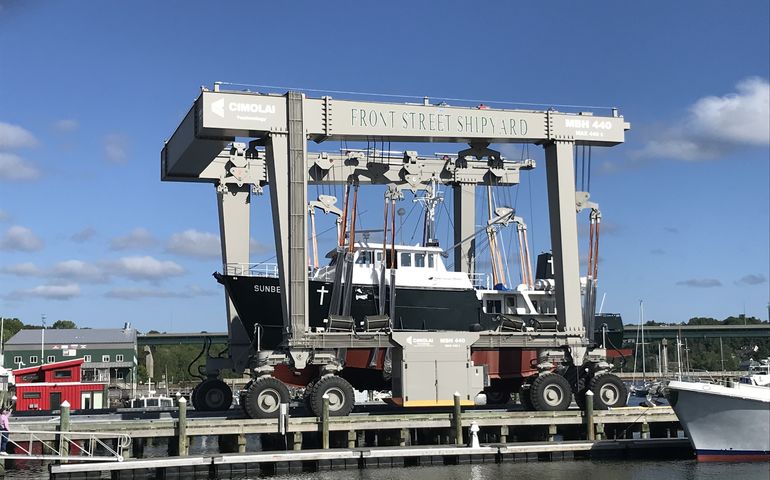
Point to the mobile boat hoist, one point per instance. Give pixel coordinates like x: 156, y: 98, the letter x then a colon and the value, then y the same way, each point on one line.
x: 543, y: 352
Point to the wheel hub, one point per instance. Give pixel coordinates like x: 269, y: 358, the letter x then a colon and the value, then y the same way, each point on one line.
x: 609, y: 394
x: 336, y: 398
x: 269, y: 400
x: 553, y: 395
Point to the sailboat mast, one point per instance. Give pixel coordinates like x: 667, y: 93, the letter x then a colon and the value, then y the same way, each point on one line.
x: 641, y: 326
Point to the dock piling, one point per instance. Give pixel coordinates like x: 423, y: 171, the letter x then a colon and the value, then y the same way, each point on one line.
x: 405, y: 439
x: 457, y: 420
x: 590, y: 434
x: 64, y: 426
x: 325, y: 423
x: 552, y: 431
x: 182, y: 428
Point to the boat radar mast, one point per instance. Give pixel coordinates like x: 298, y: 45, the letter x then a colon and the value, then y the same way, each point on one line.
x: 430, y: 200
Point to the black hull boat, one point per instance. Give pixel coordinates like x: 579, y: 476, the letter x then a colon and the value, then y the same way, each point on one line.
x: 257, y: 300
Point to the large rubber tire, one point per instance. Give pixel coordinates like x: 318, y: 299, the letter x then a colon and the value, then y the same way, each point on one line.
x: 498, y: 397
x: 213, y: 395
x: 194, y: 397
x: 609, y: 391
x: 525, y: 399
x: 341, y: 396
x: 550, y: 393
x: 265, y: 396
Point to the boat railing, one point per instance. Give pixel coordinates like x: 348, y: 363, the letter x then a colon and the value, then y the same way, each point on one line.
x: 699, y: 374
x: 480, y: 280
x: 252, y: 269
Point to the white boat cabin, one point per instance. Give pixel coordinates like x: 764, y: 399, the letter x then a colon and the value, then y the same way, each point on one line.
x: 415, y: 267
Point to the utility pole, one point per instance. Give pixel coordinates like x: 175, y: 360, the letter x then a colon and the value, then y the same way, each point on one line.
x: 42, y: 339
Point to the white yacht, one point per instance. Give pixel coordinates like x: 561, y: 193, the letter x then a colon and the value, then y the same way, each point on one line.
x: 726, y: 422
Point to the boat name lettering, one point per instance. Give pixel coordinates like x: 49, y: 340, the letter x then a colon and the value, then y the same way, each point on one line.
x: 267, y: 288
x: 450, y: 123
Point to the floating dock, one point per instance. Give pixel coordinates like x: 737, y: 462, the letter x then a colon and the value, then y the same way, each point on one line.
x: 271, y: 463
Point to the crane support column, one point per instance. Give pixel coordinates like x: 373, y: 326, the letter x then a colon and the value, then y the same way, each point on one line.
x: 233, y: 205
x: 464, y: 199
x: 560, y: 174
x: 287, y: 172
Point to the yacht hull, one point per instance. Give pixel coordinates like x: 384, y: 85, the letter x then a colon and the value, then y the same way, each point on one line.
x: 724, y: 423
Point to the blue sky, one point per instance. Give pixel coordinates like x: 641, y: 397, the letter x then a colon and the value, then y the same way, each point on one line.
x: 89, y: 91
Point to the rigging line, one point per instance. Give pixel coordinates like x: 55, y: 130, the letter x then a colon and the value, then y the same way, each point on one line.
x: 391, y: 95
x: 531, y: 214
x: 589, y: 169
x: 583, y: 168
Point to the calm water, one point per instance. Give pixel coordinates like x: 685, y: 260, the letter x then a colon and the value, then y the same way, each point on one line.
x: 596, y: 470
x: 567, y: 470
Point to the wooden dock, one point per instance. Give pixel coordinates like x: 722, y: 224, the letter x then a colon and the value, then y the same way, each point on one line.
x: 271, y: 463
x: 377, y: 429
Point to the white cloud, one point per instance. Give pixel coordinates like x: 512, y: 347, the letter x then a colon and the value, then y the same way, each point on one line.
x: 13, y: 167
x: 145, y: 268
x: 51, y: 292
x: 14, y: 136
x: 20, y: 238
x: 116, y: 148
x: 716, y: 125
x: 752, y: 279
x: 79, y: 271
x: 84, y: 235
x: 66, y: 125
x: 27, y: 269
x: 194, y: 244
x: 135, y: 293
x: 137, y: 238
x: 700, y: 283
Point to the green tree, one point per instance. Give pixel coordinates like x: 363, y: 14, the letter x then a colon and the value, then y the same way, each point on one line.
x: 64, y: 324
x: 11, y: 327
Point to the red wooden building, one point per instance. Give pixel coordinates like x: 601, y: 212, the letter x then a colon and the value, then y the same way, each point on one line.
x: 45, y: 387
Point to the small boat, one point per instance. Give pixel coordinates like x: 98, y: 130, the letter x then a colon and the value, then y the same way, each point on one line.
x: 728, y: 422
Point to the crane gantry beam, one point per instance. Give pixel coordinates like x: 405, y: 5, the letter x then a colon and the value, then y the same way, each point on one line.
x: 284, y: 123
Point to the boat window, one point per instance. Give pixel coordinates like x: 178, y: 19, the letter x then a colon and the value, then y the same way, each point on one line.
x: 378, y: 256
x: 406, y: 259
x: 364, y: 257
x: 419, y: 260
x: 510, y: 302
x: 430, y: 260
x: 493, y: 306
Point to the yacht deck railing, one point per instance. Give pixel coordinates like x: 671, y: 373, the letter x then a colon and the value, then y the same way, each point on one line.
x: 252, y: 269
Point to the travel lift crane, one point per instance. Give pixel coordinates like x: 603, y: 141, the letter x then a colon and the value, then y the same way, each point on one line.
x: 204, y: 149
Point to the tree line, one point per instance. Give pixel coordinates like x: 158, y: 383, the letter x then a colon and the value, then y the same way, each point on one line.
x: 712, y: 354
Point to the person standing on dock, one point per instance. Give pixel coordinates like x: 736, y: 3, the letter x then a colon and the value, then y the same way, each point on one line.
x: 4, y: 428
